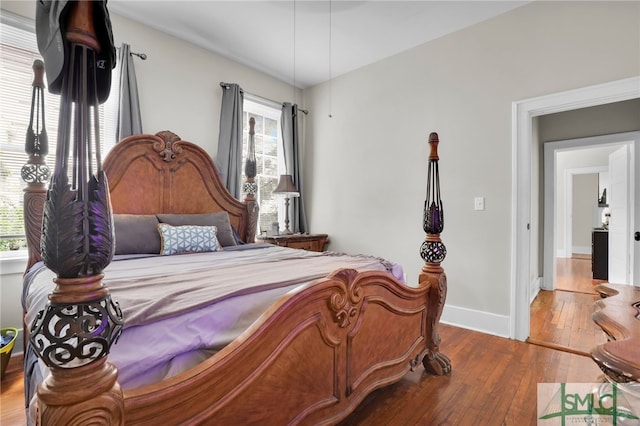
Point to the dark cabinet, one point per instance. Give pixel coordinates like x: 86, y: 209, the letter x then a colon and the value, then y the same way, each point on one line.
x: 600, y: 254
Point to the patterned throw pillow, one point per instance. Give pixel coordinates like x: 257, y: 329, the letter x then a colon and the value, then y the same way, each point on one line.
x: 187, y: 239
x: 218, y: 219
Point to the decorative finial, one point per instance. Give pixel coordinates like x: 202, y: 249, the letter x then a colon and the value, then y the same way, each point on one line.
x: 38, y: 74
x: 433, y: 250
x: 433, y: 141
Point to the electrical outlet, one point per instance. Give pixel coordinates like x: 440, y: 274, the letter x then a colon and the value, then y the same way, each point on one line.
x: 478, y: 203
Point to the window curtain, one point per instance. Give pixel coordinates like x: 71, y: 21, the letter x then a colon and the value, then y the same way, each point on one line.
x: 129, y: 119
x: 229, y: 156
x: 298, y: 216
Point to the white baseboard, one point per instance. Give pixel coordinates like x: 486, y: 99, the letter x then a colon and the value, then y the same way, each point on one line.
x: 581, y: 249
x: 536, y: 285
x: 484, y: 322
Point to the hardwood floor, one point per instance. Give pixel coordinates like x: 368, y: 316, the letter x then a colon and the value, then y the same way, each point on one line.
x: 562, y: 319
x: 12, y: 394
x: 493, y: 382
x: 574, y: 274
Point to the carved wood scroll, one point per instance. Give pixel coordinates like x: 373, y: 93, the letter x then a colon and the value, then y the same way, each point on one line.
x: 618, y: 314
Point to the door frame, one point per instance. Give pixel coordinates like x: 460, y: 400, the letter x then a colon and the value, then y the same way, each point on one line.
x: 523, y: 113
x: 550, y: 193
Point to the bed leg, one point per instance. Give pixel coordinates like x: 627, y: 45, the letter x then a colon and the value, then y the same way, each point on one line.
x: 434, y: 361
x: 75, y: 396
x: 73, y: 335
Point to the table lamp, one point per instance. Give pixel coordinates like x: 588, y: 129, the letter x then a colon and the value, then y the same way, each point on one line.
x: 287, y: 188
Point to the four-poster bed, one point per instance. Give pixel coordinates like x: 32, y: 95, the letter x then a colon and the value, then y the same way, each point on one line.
x: 308, y: 353
x: 315, y: 353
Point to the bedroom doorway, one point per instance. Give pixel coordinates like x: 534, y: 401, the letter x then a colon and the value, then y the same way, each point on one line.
x: 524, y: 112
x: 566, y: 164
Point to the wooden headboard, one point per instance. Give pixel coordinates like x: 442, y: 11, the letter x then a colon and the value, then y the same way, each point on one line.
x: 150, y: 174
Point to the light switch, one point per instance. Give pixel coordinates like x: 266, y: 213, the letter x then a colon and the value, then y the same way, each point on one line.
x: 478, y: 203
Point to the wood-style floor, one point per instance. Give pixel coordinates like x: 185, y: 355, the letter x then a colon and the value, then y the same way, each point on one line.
x: 562, y: 318
x: 493, y: 382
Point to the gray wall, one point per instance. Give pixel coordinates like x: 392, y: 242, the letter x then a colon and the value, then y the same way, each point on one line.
x: 463, y: 86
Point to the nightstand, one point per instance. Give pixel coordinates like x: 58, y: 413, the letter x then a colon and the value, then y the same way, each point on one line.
x: 312, y: 242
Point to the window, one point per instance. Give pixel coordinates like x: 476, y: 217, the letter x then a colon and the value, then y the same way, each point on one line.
x: 269, y: 157
x: 18, y: 50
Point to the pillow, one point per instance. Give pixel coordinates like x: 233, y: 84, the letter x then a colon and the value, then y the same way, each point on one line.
x: 220, y: 220
x: 136, y: 234
x: 236, y: 237
x: 187, y: 239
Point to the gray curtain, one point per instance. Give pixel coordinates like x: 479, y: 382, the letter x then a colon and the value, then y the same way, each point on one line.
x: 229, y: 156
x: 129, y: 119
x: 298, y: 216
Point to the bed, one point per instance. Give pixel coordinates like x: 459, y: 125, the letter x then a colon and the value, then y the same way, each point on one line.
x: 311, y: 352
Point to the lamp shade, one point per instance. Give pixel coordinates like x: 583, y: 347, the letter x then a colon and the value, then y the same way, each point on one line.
x: 286, y: 187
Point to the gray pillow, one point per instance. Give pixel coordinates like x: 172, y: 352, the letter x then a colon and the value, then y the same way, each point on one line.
x: 136, y: 234
x: 219, y: 219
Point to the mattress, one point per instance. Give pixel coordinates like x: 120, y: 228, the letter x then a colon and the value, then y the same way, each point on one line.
x: 181, y: 309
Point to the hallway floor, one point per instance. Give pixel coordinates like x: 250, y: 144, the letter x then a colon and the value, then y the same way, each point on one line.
x: 561, y: 319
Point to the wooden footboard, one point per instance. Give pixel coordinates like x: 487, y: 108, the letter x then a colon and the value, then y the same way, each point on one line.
x: 310, y: 359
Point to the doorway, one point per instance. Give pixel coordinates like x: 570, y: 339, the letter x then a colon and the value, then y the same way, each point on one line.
x: 576, y: 184
x: 564, y: 161
x: 524, y: 113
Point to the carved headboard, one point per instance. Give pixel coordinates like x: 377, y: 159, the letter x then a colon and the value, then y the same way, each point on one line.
x: 161, y: 173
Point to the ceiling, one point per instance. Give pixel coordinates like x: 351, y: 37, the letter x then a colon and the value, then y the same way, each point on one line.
x: 331, y: 37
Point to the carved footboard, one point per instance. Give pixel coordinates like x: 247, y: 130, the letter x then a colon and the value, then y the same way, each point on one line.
x: 310, y: 359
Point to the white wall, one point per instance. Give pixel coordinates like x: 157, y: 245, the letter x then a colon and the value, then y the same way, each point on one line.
x: 366, y: 166
x: 585, y: 201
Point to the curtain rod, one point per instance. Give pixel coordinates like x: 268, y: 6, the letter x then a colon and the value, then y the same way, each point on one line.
x: 228, y: 85
x: 142, y: 56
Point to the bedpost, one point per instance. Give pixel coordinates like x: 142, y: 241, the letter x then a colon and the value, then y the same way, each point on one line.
x: 74, y: 333
x: 35, y: 172
x: 250, y: 188
x: 433, y: 253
